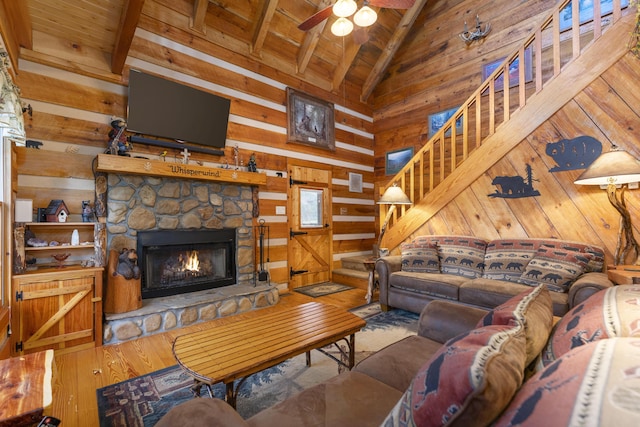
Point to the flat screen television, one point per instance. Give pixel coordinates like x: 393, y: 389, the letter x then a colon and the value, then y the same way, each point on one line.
x: 166, y: 109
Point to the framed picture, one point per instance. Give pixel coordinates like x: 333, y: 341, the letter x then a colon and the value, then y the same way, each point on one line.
x: 437, y: 120
x: 514, y: 74
x: 310, y: 121
x: 395, y: 160
x: 586, y: 11
x: 355, y: 182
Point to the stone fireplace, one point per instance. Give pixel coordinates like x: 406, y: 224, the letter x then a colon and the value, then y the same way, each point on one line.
x: 166, y: 220
x: 177, y: 261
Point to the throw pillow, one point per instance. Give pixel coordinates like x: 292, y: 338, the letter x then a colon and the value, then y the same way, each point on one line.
x: 469, y: 381
x: 611, y: 312
x: 461, y: 255
x: 593, y: 385
x: 420, y: 258
x: 534, y: 310
x: 506, y: 259
x: 596, y: 263
x: 555, y: 267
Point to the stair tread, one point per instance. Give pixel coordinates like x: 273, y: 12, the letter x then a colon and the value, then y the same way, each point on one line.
x: 351, y: 272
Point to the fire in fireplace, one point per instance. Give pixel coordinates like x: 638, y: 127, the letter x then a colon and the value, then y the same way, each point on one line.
x: 180, y: 261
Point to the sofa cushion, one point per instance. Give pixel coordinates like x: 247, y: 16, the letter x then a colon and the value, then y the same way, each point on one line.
x: 433, y: 284
x: 557, y: 268
x: 420, y: 258
x: 348, y: 399
x: 531, y: 308
x: 397, y: 364
x: 459, y: 255
x: 612, y: 312
x: 594, y: 385
x: 469, y: 381
x: 506, y: 259
x: 490, y: 293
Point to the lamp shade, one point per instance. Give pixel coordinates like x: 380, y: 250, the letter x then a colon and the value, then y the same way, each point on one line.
x: 341, y: 27
x: 365, y: 17
x: 615, y: 167
x: 344, y: 8
x: 394, y: 196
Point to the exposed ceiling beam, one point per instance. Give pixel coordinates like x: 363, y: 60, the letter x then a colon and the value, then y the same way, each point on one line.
x: 128, y: 23
x: 199, y: 13
x: 349, y: 52
x: 311, y: 40
x: 15, y: 25
x: 378, y: 70
x: 262, y: 26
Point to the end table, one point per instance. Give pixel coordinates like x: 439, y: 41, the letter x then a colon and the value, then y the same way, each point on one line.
x: 624, y: 274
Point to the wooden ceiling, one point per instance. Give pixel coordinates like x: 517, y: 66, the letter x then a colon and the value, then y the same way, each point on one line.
x: 93, y: 37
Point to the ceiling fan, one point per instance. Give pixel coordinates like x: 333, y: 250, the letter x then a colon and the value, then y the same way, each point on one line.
x: 344, y: 8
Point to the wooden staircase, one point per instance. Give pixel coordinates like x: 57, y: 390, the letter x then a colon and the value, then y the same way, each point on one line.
x: 352, y: 272
x: 506, y: 108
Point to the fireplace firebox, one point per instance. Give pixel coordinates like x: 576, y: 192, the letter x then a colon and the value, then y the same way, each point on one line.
x: 181, y: 261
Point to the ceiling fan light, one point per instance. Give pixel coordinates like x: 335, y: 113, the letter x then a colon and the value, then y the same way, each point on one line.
x: 365, y: 17
x: 344, y: 8
x: 342, y: 27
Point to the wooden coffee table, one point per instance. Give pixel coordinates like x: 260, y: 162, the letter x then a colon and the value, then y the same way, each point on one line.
x: 225, y: 353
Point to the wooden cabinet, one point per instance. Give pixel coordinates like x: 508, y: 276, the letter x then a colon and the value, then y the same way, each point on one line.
x: 57, y: 289
x: 57, y: 309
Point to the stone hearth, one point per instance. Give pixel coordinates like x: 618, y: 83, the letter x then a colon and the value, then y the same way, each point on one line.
x: 166, y: 313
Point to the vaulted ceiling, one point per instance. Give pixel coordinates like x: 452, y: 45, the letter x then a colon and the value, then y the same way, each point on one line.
x: 94, y: 37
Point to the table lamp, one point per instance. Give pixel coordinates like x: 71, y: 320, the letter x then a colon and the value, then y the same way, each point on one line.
x: 612, y: 171
x: 392, y: 196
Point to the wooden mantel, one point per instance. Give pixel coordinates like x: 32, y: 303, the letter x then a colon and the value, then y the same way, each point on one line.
x: 128, y: 165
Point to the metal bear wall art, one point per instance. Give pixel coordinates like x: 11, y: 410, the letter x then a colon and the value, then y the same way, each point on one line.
x: 513, y: 187
x: 576, y: 153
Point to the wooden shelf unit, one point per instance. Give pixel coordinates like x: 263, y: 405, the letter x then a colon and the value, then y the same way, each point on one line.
x: 57, y: 305
x: 91, y: 247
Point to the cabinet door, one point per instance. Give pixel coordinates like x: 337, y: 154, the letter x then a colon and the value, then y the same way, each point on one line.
x: 59, y: 310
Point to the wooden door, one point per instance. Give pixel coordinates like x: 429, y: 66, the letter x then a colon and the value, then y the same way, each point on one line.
x: 58, y: 309
x: 310, y: 228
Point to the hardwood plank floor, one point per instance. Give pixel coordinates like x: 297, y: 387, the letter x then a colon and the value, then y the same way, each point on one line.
x: 78, y: 374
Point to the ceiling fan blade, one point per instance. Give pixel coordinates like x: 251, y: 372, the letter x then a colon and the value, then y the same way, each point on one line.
x: 316, y: 18
x: 360, y: 35
x: 392, y: 4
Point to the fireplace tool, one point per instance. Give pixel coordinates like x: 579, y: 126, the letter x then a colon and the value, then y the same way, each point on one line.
x: 263, y: 274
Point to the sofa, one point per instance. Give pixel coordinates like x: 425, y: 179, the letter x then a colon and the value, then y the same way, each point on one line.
x: 484, y: 274
x: 513, y: 365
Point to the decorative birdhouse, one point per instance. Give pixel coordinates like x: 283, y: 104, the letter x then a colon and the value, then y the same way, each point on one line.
x: 57, y: 211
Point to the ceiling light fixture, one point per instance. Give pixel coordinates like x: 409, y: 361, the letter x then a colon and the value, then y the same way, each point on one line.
x: 344, y: 8
x: 365, y: 16
x: 342, y: 27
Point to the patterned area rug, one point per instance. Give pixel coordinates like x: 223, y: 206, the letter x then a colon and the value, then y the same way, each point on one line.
x: 143, y: 400
x: 321, y: 289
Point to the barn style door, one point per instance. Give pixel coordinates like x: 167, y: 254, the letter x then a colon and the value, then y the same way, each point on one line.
x: 310, y: 229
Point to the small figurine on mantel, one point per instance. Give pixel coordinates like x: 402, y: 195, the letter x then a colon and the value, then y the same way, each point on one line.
x: 185, y: 156
x: 87, y: 211
x: 251, y: 166
x: 236, y: 156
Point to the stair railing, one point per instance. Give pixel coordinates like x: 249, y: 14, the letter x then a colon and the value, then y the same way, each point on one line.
x: 560, y: 39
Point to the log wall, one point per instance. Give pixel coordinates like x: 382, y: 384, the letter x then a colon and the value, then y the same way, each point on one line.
x: 72, y: 112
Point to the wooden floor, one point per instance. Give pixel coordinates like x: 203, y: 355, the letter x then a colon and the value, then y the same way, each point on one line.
x: 79, y: 374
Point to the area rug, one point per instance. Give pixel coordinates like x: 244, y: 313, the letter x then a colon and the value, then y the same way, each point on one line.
x: 143, y: 400
x: 321, y: 289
